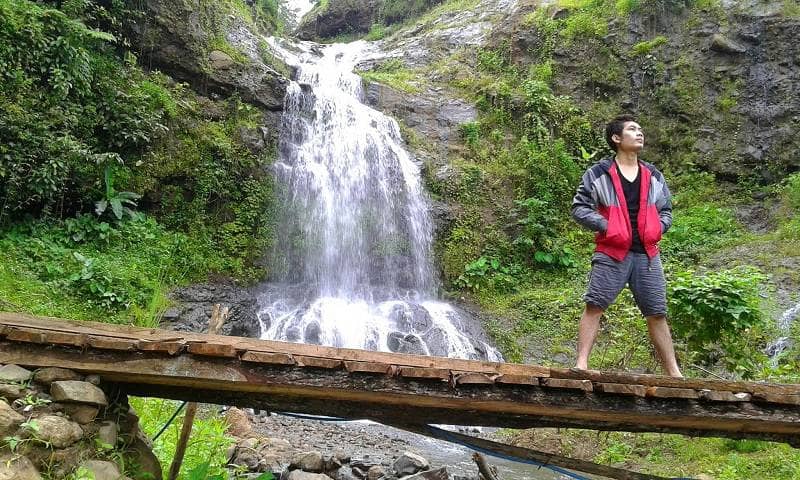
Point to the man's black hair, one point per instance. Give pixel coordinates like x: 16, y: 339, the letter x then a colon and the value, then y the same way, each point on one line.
x: 615, y: 127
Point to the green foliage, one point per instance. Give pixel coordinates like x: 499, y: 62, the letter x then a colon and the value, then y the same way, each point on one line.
x: 790, y: 194
x: 719, y: 309
x: 120, y: 202
x: 697, y: 229
x: 647, y: 46
x: 489, y: 273
x: 205, y: 453
x: 393, y: 73
x: 376, y: 32
x: 395, y: 11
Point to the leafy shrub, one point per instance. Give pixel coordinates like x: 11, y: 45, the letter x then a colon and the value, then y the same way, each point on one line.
x: 696, y: 229
x: 486, y: 272
x: 719, y: 309
x: 647, y: 46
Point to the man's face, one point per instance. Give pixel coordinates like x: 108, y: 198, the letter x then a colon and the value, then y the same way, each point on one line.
x: 631, y: 139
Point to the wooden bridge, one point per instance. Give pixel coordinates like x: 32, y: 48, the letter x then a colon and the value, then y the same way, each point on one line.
x: 397, y: 389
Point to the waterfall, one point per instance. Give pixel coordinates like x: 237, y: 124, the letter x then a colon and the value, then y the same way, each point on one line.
x: 777, y: 347
x: 353, y: 260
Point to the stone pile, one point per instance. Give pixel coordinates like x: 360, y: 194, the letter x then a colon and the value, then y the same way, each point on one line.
x: 257, y: 454
x: 55, y: 423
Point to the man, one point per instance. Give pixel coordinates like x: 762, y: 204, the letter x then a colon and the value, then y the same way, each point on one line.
x: 627, y: 203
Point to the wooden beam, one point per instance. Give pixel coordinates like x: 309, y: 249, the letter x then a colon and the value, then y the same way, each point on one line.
x: 337, y: 392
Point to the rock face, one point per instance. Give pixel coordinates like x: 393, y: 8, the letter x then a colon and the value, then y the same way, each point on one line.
x: 193, y: 309
x: 340, y: 17
x: 713, y: 86
x: 176, y: 36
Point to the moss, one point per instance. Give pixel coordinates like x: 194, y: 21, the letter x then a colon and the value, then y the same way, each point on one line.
x: 394, y: 74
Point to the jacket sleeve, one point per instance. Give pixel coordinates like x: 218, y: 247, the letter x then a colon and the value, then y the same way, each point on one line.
x: 584, y: 206
x: 664, y: 205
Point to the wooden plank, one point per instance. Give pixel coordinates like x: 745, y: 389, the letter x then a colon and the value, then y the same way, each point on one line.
x: 106, y: 343
x: 517, y: 379
x: 621, y: 389
x: 584, y: 385
x: 368, y: 367
x: 170, y: 347
x: 64, y: 338
x: 672, y: 382
x: 667, y: 392
x: 3, y: 330
x: 27, y: 335
x: 270, y: 358
x: 716, y: 396
x: 782, y: 399
x: 317, y: 362
x: 472, y: 378
x: 428, y: 373
x: 213, y: 349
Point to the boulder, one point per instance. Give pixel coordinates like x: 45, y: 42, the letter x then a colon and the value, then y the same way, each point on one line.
x: 307, y: 461
x: 141, y: 452
x: 409, y: 463
x: 220, y: 60
x: 375, y: 472
x: 81, y: 413
x: 10, y: 420
x: 14, y: 373
x: 438, y: 474
x: 77, y: 392
x: 108, y: 433
x: 102, y: 470
x: 9, y: 391
x: 17, y: 467
x: 238, y: 423
x: 301, y: 475
x: 723, y: 44
x: 58, y: 431
x: 54, y: 374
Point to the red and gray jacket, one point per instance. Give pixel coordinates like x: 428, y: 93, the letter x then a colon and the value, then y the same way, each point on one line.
x: 599, y: 205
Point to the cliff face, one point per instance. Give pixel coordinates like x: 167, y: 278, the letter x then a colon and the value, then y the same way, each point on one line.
x: 716, y: 87
x: 214, y: 50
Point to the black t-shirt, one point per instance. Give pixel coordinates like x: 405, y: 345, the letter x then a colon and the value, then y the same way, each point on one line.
x: 632, y: 195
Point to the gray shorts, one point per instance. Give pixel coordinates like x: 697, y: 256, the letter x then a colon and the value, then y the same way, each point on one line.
x: 644, y: 276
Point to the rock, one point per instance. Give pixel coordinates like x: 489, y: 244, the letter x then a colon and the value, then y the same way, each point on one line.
x: 340, y: 17
x: 220, y: 60
x: 102, y: 470
x: 14, y: 373
x: 307, y: 461
x: 409, y: 463
x: 54, y: 374
x: 81, y: 413
x: 196, y: 302
x: 17, y: 467
x: 108, y: 433
x: 238, y: 423
x: 438, y: 474
x: 78, y: 392
x: 93, y: 379
x: 301, y: 475
x: 141, y: 452
x: 10, y: 420
x: 723, y: 44
x: 10, y: 391
x: 331, y: 464
x: 58, y: 431
x: 344, y: 473
x: 375, y: 472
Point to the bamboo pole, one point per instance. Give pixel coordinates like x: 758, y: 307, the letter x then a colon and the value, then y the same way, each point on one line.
x: 218, y: 316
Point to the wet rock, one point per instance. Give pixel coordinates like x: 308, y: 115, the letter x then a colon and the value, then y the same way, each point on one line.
x: 17, y: 467
x: 58, y: 431
x: 197, y: 300
x: 77, y: 392
x: 102, y: 470
x: 80, y: 413
x: 47, y: 376
x: 307, y: 461
x: 437, y: 341
x: 410, y: 463
x: 14, y: 373
x: 10, y: 420
x: 411, y: 344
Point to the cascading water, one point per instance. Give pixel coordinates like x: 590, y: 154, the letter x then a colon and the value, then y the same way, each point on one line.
x: 353, y: 250
x: 777, y: 347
